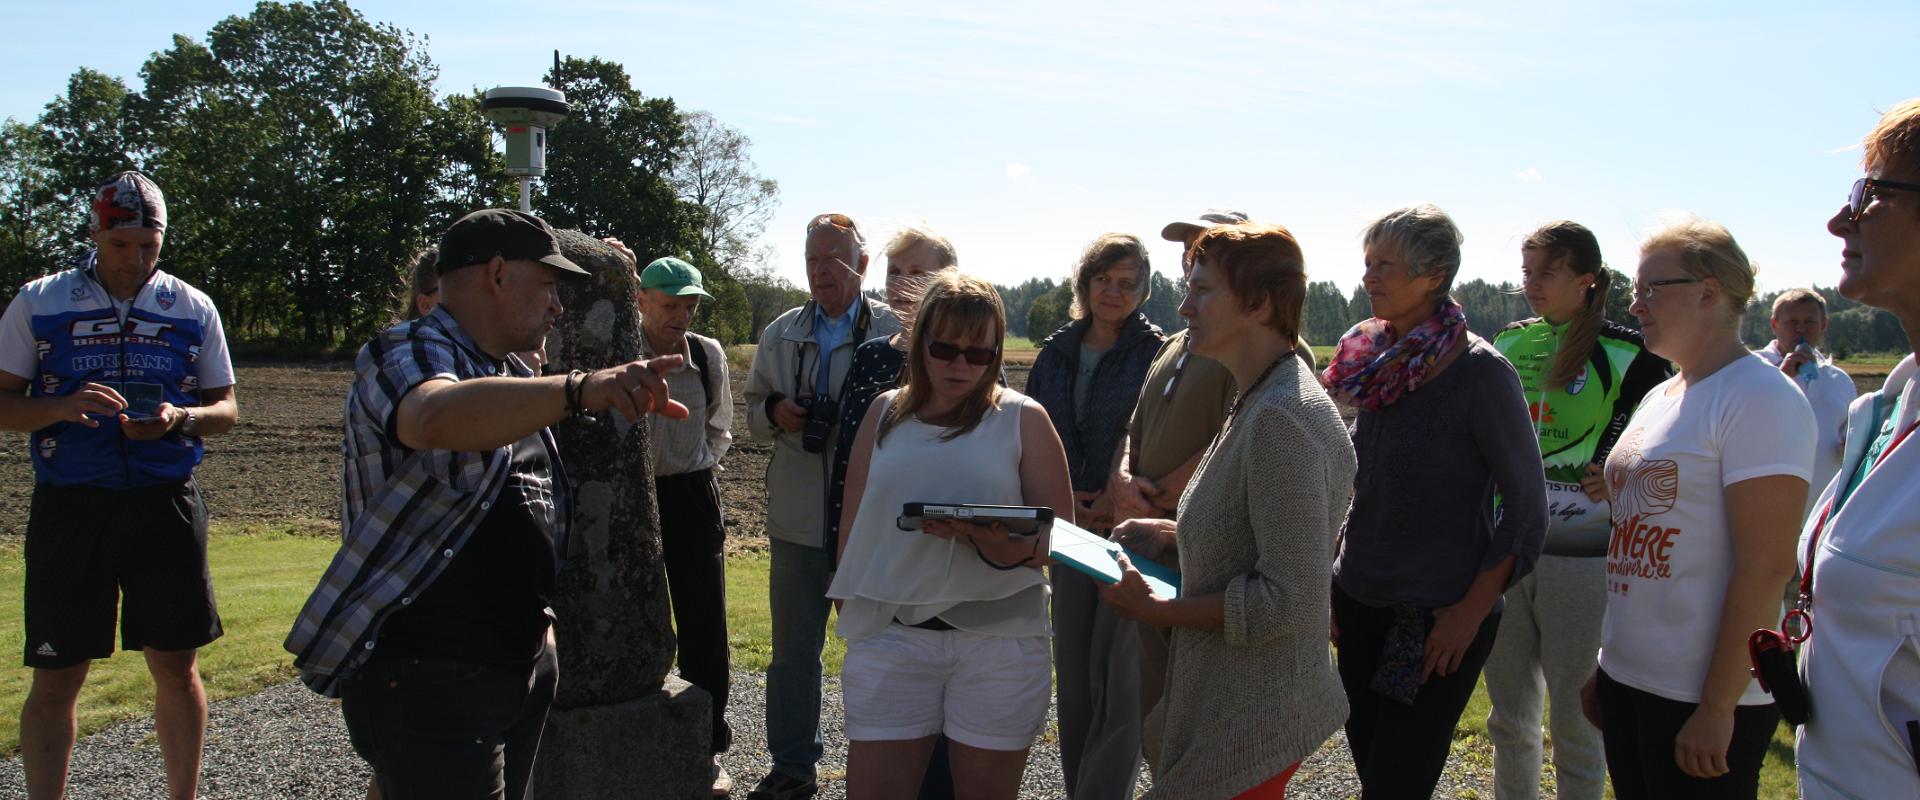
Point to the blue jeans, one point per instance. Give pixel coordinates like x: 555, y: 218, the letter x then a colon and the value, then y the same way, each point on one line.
x: 797, y: 594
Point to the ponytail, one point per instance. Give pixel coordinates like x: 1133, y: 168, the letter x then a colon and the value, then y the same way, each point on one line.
x: 1577, y: 247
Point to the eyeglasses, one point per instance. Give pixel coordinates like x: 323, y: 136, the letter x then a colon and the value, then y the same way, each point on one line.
x: 1863, y: 190
x: 841, y: 221
x: 946, y: 351
x: 1644, y: 291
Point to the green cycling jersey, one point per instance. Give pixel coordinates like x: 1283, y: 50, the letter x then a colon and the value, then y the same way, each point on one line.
x: 1578, y: 423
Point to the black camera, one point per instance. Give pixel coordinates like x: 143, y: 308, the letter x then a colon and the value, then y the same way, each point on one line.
x: 822, y: 414
x: 1775, y: 666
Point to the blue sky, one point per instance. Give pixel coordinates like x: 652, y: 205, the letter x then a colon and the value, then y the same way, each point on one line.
x: 1023, y: 130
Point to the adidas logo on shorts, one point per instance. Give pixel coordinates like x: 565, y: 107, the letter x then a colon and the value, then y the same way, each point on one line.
x: 46, y: 649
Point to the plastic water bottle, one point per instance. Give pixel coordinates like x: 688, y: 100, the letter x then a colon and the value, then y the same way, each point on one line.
x: 1810, y: 368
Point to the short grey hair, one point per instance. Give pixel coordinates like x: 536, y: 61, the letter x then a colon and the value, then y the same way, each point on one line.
x: 826, y: 221
x: 1423, y: 237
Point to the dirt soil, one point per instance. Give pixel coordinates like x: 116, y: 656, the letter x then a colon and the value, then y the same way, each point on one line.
x: 282, y: 463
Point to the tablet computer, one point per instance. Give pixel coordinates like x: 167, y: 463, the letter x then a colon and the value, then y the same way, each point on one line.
x: 1019, y: 520
x: 1094, y: 555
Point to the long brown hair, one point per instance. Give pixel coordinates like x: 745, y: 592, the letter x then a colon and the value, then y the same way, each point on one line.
x: 956, y: 306
x: 1570, y: 243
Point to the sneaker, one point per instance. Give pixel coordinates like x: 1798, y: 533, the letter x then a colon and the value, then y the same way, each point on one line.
x: 781, y: 786
x: 722, y: 782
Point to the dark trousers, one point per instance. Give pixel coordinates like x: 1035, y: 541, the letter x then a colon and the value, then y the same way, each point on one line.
x: 693, y: 536
x: 1400, y: 750
x: 1639, y: 728
x: 446, y: 728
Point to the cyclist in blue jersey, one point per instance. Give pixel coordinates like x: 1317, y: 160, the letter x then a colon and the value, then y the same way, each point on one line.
x: 116, y: 370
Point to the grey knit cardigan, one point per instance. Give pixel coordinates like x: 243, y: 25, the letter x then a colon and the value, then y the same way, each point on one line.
x: 1258, y: 523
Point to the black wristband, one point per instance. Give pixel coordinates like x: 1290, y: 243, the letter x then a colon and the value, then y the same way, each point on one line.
x: 575, y: 381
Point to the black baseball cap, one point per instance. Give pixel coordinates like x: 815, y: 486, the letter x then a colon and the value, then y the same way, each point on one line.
x: 509, y: 234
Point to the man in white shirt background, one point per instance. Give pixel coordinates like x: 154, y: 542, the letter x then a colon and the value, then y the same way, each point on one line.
x: 1800, y: 315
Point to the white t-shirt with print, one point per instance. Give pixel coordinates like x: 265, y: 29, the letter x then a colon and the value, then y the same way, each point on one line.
x: 1671, y: 555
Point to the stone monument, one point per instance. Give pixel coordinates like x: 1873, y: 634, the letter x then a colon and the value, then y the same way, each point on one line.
x: 620, y: 727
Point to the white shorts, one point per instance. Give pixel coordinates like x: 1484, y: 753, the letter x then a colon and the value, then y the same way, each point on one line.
x: 988, y: 692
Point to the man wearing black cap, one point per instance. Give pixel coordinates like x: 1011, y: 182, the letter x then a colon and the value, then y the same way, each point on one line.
x: 117, y: 369
x: 432, y: 623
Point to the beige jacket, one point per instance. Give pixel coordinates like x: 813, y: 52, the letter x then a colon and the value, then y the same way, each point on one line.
x: 797, y: 479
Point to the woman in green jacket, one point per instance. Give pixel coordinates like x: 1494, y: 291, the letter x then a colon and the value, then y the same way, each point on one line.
x: 1583, y: 376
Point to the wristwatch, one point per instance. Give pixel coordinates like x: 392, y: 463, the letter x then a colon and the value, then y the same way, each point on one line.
x: 190, y: 424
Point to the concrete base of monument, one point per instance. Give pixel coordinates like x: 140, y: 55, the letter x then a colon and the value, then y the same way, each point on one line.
x: 653, y: 747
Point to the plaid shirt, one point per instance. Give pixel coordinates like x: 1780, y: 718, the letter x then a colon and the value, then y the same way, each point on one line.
x: 405, y: 512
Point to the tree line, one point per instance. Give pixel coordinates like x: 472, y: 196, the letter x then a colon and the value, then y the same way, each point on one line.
x: 1038, y: 306
x: 308, y: 159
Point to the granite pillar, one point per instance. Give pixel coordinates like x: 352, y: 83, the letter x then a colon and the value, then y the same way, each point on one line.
x: 619, y: 727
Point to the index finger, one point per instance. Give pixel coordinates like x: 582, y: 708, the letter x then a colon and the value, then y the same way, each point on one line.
x: 656, y: 388
x: 110, y: 392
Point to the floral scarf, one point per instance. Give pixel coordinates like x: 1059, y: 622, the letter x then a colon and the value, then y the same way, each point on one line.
x: 1370, y: 374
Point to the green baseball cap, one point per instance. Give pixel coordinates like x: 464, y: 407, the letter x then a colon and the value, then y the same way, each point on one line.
x: 673, y: 276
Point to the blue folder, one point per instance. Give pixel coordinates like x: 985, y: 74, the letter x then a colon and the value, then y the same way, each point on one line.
x: 1073, y: 546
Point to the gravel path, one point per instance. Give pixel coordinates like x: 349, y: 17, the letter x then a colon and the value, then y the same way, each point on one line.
x: 286, y: 742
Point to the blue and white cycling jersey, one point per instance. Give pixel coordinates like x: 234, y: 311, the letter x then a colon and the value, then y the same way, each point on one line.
x: 64, y: 331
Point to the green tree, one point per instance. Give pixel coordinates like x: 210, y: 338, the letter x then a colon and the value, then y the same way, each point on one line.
x: 715, y: 172
x: 32, y: 222
x: 1163, y: 305
x: 84, y: 139
x: 304, y: 150
x: 1049, y: 312
x: 607, y: 164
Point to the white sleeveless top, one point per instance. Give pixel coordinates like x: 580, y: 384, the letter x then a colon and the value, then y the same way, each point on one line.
x: 887, y: 573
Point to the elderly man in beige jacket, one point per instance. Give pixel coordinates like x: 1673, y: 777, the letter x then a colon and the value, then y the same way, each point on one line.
x: 792, y: 401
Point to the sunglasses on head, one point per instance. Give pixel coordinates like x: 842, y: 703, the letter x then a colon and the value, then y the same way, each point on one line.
x: 945, y: 351
x: 1863, y: 193
x: 841, y: 221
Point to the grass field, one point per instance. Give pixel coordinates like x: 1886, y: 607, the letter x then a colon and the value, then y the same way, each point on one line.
x: 262, y: 575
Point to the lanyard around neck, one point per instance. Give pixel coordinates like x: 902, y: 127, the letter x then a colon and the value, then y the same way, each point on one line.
x: 1803, y: 606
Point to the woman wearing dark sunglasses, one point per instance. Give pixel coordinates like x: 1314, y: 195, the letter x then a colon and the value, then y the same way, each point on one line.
x: 946, y: 628
x: 1862, y: 661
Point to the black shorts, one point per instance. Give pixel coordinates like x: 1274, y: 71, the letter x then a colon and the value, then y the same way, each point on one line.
x: 87, y: 547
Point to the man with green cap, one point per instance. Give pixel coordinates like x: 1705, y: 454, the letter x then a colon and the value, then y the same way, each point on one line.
x: 686, y: 454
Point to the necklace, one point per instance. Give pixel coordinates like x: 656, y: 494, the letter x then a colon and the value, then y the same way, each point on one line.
x: 1233, y: 412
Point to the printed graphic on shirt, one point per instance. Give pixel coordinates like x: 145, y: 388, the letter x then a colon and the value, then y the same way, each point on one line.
x: 1643, y: 491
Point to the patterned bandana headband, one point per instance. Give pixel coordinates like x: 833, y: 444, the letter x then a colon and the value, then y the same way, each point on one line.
x: 127, y: 200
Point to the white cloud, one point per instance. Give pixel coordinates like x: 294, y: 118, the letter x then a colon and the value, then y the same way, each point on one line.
x: 1530, y: 175
x: 1852, y: 148
x: 1016, y: 169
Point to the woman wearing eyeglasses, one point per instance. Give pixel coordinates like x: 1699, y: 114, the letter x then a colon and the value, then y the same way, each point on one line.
x: 947, y: 627
x: 1424, y: 558
x: 1707, y: 485
x: 1250, y: 690
x: 1582, y: 375
x: 1862, y: 662
x: 1088, y: 376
